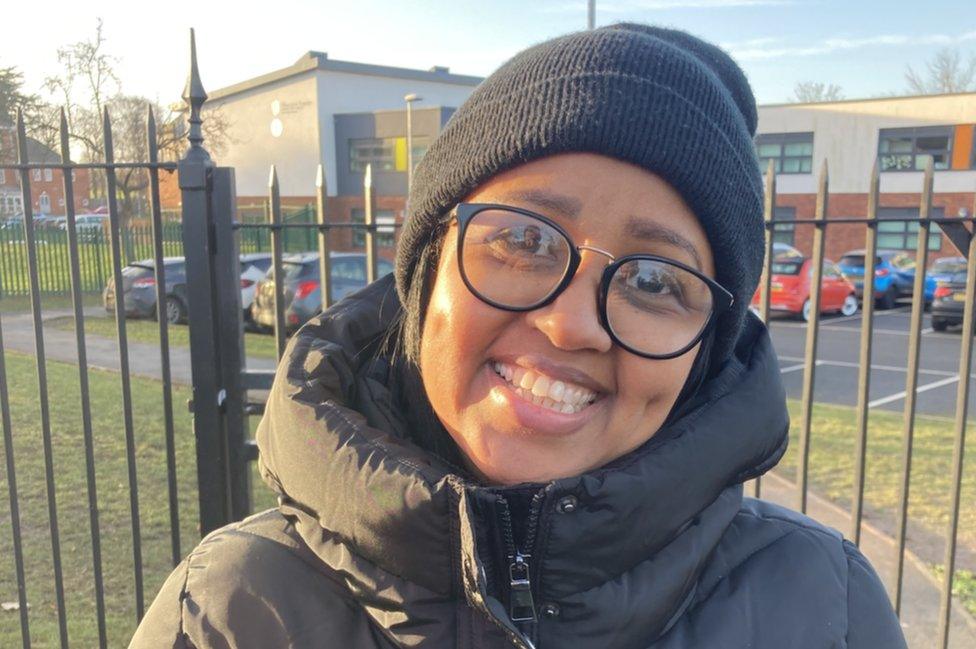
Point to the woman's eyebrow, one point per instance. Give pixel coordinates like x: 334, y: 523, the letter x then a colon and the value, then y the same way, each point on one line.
x: 635, y: 227
x: 560, y: 203
x: 644, y: 230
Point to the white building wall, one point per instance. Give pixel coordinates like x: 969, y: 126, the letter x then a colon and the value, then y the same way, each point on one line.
x: 272, y: 124
x: 846, y: 135
x: 341, y: 92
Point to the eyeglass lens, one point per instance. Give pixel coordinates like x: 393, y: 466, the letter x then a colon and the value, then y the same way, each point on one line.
x: 517, y: 261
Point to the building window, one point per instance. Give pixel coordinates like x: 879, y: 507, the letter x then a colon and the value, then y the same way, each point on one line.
x: 784, y: 232
x: 903, y: 235
x: 385, y: 154
x: 36, y: 175
x: 908, y: 149
x: 791, y: 153
x: 11, y: 204
x: 48, y: 175
x: 3, y: 176
x: 44, y: 201
x: 385, y: 230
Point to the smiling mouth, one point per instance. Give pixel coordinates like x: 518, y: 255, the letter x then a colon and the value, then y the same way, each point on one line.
x: 559, y: 396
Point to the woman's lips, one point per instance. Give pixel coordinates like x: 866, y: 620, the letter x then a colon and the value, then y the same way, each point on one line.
x: 540, y: 418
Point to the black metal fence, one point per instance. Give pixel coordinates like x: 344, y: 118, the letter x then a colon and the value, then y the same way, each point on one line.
x: 68, y: 450
x: 113, y: 447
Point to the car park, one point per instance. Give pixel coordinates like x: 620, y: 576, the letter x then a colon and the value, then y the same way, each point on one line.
x: 791, y: 288
x: 302, y: 288
x: 894, y: 276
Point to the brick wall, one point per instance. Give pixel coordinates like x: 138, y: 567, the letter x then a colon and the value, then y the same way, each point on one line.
x: 842, y: 237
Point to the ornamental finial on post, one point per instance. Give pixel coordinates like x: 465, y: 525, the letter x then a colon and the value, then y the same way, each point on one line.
x: 194, y: 95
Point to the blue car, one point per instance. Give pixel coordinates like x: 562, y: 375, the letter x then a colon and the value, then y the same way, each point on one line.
x: 894, y: 276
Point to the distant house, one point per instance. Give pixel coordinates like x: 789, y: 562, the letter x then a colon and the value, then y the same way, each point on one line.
x: 901, y: 133
x: 46, y: 185
x: 340, y: 114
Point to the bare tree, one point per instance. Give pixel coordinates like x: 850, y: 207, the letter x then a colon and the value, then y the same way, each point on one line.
x: 129, y: 116
x: 946, y: 72
x: 807, y: 92
x: 87, y: 82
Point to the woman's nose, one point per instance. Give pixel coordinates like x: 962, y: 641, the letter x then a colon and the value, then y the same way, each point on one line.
x: 572, y: 320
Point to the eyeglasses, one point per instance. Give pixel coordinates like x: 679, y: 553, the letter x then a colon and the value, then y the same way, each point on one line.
x: 517, y: 260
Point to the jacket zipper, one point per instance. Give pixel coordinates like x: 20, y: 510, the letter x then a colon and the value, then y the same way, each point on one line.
x: 521, y: 607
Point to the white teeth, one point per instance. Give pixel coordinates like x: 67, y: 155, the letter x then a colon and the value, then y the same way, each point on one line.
x: 541, y: 386
x: 557, y: 390
x: 544, y: 391
x: 515, y: 376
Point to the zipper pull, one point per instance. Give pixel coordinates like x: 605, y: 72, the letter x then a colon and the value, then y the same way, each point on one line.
x: 521, y: 607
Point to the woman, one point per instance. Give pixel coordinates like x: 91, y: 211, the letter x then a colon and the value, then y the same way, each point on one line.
x: 545, y: 445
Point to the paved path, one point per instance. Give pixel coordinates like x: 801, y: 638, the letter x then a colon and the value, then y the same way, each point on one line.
x: 838, y: 350
x: 103, y: 352
x: 920, y: 594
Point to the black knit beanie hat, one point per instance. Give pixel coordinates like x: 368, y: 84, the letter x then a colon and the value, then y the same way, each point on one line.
x: 658, y: 98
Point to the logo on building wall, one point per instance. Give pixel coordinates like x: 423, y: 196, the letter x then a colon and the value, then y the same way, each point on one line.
x: 276, y: 126
x: 279, y: 108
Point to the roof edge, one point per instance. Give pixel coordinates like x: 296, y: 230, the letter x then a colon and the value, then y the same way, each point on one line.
x: 314, y: 60
x: 868, y: 99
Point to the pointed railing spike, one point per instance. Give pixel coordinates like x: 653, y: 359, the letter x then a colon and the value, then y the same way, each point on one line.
x: 194, y: 95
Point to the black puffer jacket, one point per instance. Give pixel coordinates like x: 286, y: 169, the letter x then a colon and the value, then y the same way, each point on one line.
x: 377, y: 544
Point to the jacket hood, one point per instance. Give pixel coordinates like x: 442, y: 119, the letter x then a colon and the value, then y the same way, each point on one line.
x: 403, y: 530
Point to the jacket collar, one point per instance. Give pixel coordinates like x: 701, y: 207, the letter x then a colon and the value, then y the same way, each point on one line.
x: 335, y: 448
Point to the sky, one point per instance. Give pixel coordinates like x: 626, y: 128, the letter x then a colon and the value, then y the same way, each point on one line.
x: 863, y: 46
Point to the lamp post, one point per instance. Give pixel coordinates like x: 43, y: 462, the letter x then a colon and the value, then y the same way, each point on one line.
x: 591, y: 14
x: 410, y: 99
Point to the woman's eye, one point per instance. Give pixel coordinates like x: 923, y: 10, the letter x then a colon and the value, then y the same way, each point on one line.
x: 651, y: 286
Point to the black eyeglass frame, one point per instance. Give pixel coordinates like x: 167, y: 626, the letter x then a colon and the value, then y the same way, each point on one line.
x: 722, y: 299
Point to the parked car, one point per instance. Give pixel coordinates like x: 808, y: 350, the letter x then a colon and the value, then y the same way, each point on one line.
x: 91, y: 226
x: 792, y: 287
x: 302, y: 289
x: 781, y: 250
x: 49, y: 222
x: 950, y: 293
x: 254, y: 266
x: 14, y: 223
x: 894, y: 276
x: 139, y: 290
x: 943, y: 269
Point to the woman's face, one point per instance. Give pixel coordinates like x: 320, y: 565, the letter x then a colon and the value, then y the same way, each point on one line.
x: 505, y: 438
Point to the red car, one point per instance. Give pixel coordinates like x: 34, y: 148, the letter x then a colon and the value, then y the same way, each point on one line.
x: 792, y: 286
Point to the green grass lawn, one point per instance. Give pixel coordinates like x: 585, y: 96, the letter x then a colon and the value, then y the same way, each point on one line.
x: 11, y: 304
x: 831, y: 474
x: 147, y: 331
x: 832, y: 457
x: 113, y: 498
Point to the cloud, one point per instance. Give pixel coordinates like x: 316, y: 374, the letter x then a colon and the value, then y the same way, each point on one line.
x: 768, y: 48
x: 629, y: 6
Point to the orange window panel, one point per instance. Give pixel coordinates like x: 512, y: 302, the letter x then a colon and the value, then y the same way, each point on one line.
x: 962, y: 147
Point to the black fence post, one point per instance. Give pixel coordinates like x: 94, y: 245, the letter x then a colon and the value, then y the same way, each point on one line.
x: 196, y: 177
x: 230, y: 339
